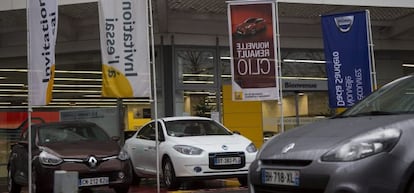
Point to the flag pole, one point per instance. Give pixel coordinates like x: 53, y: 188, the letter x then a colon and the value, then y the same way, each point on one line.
x: 29, y: 102
x: 279, y: 68
x: 371, y: 49
x: 154, y: 92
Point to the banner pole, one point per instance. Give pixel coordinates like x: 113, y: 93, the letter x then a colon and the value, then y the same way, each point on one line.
x: 154, y: 93
x: 29, y: 102
x: 279, y: 68
x: 371, y: 49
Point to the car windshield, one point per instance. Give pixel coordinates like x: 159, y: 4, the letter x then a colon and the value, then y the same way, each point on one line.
x: 396, y: 97
x: 183, y: 128
x: 71, y: 133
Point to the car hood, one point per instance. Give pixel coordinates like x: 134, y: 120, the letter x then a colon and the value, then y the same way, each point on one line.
x: 83, y: 149
x: 313, y: 140
x: 215, y: 142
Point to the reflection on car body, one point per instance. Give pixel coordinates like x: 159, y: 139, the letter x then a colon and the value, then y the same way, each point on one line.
x: 78, y: 146
x: 366, y: 149
x: 190, y: 148
x: 251, y: 26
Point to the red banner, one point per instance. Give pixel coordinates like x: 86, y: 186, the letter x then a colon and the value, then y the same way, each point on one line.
x: 253, y: 51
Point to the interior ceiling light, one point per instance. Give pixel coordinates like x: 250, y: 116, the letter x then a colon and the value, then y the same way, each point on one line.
x: 197, y: 82
x: 12, y: 85
x: 408, y: 65
x: 304, y: 61
x: 198, y: 75
x: 302, y: 78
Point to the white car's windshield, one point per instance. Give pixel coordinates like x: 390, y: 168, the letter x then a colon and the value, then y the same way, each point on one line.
x: 181, y: 128
x: 396, y: 97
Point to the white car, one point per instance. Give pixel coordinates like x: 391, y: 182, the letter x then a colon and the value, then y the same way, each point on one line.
x: 190, y: 148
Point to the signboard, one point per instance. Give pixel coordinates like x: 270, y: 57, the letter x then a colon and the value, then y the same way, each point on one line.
x: 253, y: 51
x: 304, y: 85
x: 348, y: 57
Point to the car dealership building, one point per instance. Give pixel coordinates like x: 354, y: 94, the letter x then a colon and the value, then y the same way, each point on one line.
x: 192, y: 62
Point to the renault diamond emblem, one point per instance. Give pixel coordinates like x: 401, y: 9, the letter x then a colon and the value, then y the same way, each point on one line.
x: 92, y: 161
x: 288, y: 147
x: 224, y: 147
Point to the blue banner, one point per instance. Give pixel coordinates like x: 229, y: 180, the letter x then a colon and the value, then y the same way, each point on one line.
x: 348, y: 57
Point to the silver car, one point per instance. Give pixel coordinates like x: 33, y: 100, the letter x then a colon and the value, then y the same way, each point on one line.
x: 366, y: 149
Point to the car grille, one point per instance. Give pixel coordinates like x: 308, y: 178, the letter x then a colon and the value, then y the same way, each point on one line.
x: 272, y: 189
x: 299, y: 163
x: 213, y: 156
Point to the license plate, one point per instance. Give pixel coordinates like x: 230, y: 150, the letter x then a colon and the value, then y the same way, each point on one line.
x: 227, y: 160
x: 281, y: 177
x: 94, y: 181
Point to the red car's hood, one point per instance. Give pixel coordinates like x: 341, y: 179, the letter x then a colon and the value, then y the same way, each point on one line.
x: 83, y: 149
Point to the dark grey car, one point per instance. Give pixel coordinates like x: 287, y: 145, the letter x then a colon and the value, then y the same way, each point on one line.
x: 367, y: 149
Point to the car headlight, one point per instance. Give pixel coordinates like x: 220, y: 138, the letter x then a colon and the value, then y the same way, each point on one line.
x: 49, y: 159
x: 251, y: 148
x: 188, y: 150
x: 365, y: 145
x: 123, y: 155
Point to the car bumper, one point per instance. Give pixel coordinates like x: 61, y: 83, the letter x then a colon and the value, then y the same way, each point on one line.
x: 376, y: 174
x: 201, y: 166
x: 119, y: 173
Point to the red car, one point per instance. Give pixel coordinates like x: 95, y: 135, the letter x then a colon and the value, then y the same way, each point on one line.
x: 78, y: 146
x: 251, y: 26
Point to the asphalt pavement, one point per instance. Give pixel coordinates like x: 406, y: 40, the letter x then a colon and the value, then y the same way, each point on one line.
x: 149, y: 186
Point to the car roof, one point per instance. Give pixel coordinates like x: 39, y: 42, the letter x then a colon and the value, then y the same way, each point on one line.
x: 177, y: 118
x: 64, y: 123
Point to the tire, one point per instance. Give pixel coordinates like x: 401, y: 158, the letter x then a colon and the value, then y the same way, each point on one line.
x: 135, y: 178
x: 242, y: 181
x: 121, y: 189
x: 12, y: 187
x: 410, y: 188
x: 34, y: 184
x: 170, y: 180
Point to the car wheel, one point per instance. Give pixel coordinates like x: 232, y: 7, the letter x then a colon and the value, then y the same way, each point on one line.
x: 11, y: 184
x: 121, y: 189
x: 34, y: 186
x: 169, y: 178
x: 135, y: 178
x: 410, y: 188
x: 242, y: 181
